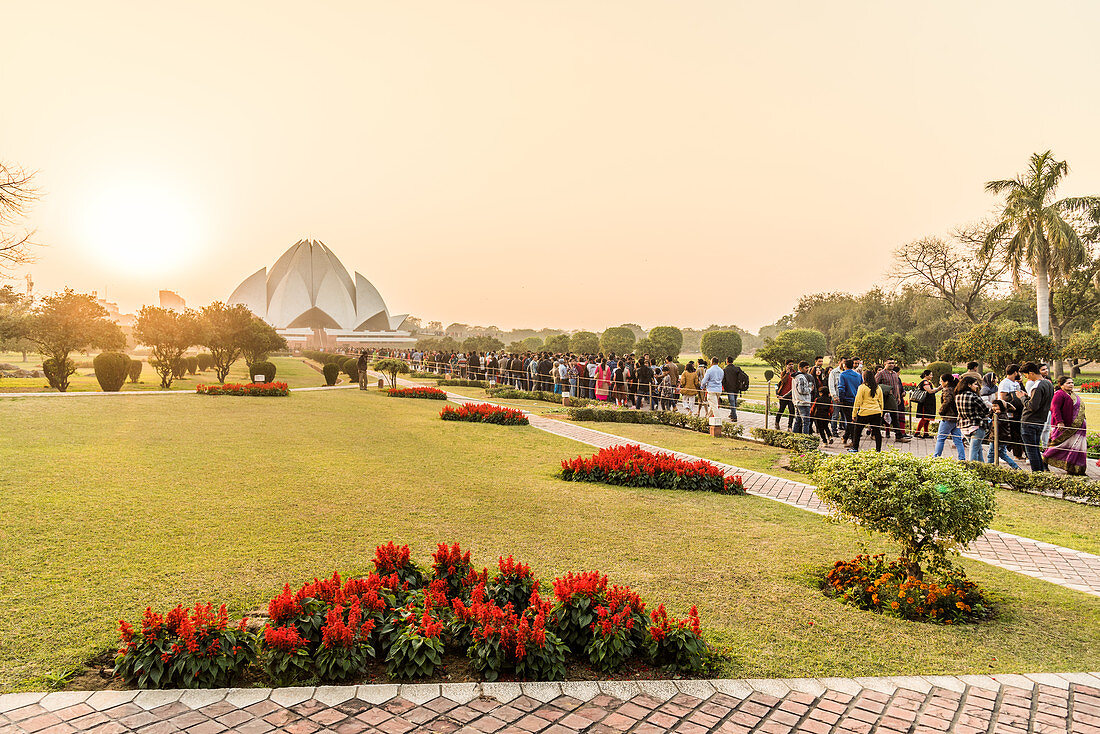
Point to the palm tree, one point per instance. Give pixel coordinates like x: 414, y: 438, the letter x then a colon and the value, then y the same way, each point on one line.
x: 1038, y: 233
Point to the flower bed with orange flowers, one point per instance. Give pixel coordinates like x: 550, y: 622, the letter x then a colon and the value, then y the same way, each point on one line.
x: 632, y: 466
x: 428, y: 393
x: 870, y: 582
x: 252, y: 389
x: 403, y: 621
x: 484, y: 413
x: 1089, y: 387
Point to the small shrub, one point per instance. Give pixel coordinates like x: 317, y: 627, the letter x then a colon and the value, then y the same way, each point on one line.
x: 392, y: 368
x: 574, y: 614
x: 652, y: 417
x: 111, y: 369
x: 451, y: 565
x: 416, y: 650
x: 135, y: 369
x: 205, y: 361
x: 179, y: 368
x: 286, y: 655
x: 869, y: 582
x: 350, y: 367
x: 267, y: 369
x: 331, y: 373
x: 799, y: 442
x: 632, y: 466
x: 618, y: 631
x: 503, y: 640
x: 484, y: 413
x: 939, y: 369
x: 345, y: 643
x: 808, y: 462
x: 192, y: 364
x: 928, y: 506
x: 57, y: 375
x: 462, y: 383
x: 1021, y: 480
x: 428, y: 393
x: 187, y: 648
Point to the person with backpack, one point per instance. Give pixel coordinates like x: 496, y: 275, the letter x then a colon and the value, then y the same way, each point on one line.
x: 734, y: 382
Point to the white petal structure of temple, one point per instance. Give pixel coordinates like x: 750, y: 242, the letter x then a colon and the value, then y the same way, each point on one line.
x: 309, y: 297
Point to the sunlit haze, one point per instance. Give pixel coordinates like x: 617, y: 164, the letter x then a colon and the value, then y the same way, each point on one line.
x: 523, y: 164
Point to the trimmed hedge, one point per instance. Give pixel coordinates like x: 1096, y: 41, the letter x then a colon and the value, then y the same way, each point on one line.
x: 799, y: 442
x: 331, y: 372
x: 511, y: 393
x: 653, y: 417
x: 350, y: 367
x: 808, y: 462
x: 463, y: 383
x: 267, y: 369
x: 1020, y: 480
x: 135, y: 369
x: 111, y: 369
x: 205, y: 361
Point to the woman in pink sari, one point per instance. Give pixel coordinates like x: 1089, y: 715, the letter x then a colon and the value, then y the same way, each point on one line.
x: 603, y: 380
x: 1068, y: 447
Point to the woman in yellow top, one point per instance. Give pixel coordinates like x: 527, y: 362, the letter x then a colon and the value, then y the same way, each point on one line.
x: 689, y: 386
x: 867, y: 411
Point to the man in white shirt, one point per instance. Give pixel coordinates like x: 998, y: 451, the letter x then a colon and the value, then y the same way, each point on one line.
x: 712, y: 383
x: 1010, y: 385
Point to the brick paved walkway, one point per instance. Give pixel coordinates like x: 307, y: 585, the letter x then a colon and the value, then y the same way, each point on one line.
x: 965, y: 704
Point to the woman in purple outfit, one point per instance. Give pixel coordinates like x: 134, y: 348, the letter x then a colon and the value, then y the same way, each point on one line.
x: 1068, y: 448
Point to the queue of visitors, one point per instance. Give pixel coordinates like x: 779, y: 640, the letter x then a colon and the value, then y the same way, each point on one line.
x: 1037, y: 420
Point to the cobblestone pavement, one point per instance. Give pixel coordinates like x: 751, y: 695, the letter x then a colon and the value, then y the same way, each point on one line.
x: 965, y: 704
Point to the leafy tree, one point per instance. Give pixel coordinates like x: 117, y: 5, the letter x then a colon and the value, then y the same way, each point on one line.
x: 392, y: 368
x: 224, y: 332
x: 1075, y: 299
x: 721, y: 344
x: 482, y: 344
x: 617, y: 340
x: 668, y: 341
x: 1083, y: 345
x: 644, y: 346
x: 260, y: 340
x: 1037, y: 228
x: 929, y: 507
x: 169, y: 334
x: 432, y: 344
x: 796, y: 344
x: 771, y: 331
x: 635, y: 329
x: 584, y: 342
x: 876, y: 347
x: 15, y: 309
x: 557, y: 344
x: 999, y: 344
x: 68, y: 322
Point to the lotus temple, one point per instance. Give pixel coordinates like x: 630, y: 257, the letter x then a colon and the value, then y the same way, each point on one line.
x: 309, y: 297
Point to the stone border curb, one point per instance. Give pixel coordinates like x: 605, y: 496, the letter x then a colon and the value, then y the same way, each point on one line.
x: 544, y: 691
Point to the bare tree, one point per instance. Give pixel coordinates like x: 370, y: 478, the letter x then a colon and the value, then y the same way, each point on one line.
x: 17, y: 192
x: 955, y: 271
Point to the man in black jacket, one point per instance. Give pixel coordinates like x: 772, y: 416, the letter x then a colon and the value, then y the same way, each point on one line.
x: 731, y: 379
x: 645, y: 384
x: 1035, y: 416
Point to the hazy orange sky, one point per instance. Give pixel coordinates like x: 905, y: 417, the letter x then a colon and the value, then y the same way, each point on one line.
x: 570, y: 164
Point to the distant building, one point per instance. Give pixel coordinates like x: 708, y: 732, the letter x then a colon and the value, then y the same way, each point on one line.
x: 172, y: 300
x: 309, y: 297
x: 122, y: 319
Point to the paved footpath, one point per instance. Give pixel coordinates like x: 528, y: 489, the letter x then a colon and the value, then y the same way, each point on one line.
x: 1067, y: 703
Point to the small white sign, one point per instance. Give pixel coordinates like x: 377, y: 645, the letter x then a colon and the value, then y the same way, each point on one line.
x: 258, y: 378
x: 715, y: 421
x: 565, y: 394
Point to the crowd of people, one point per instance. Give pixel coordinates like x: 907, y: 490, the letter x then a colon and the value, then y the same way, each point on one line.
x: 1023, y: 414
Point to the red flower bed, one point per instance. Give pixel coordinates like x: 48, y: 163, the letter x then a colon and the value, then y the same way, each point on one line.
x: 631, y: 466
x: 1089, y: 387
x: 429, y: 393
x: 484, y: 413
x: 338, y: 629
x: 254, y: 389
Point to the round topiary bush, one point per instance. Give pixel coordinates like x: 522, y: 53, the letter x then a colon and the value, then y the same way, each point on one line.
x: 205, y: 361
x: 267, y: 369
x: 135, y: 369
x: 350, y: 367
x: 111, y: 369
x: 192, y: 364
x: 179, y: 368
x: 928, y: 506
x: 331, y: 372
x: 939, y: 369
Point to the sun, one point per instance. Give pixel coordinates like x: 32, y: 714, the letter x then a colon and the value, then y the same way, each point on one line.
x: 141, y: 229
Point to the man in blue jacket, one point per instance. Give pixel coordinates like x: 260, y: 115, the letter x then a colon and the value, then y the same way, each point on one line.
x: 847, y: 386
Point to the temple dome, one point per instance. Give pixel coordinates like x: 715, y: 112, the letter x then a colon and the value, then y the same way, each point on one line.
x: 308, y: 287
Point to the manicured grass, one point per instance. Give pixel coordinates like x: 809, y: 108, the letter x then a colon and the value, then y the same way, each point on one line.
x: 191, y: 499
x: 290, y: 370
x: 1048, y: 519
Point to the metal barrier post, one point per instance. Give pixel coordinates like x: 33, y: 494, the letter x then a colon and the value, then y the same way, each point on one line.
x: 996, y: 442
x: 767, y: 408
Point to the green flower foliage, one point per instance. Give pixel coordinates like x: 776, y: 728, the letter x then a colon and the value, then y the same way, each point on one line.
x: 928, y: 506
x: 786, y: 440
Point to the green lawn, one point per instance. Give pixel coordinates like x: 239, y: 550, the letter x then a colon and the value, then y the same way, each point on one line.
x: 1048, y: 519
x: 290, y: 370
x: 225, y: 499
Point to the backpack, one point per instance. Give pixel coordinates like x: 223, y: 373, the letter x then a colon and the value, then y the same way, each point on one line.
x: 742, y: 381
